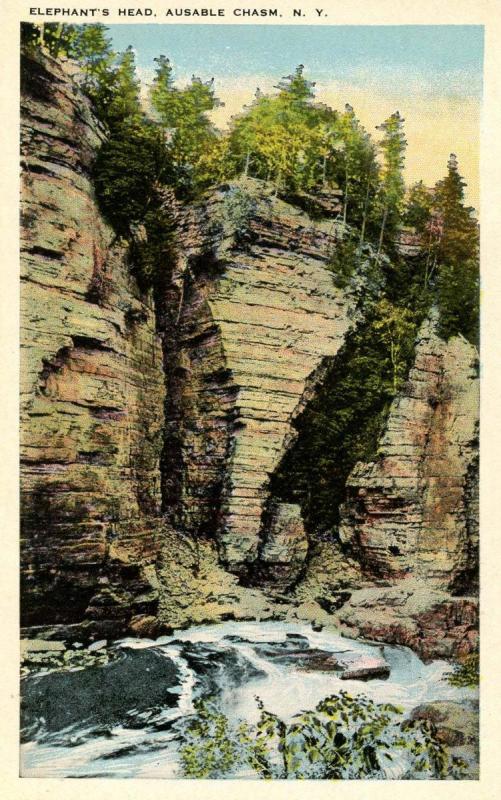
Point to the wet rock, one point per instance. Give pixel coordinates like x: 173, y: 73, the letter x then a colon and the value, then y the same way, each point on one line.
x: 95, y: 646
x: 219, y: 667
x: 366, y: 669
x: 311, y: 660
x: 144, y: 625
x: 138, y: 679
x: 412, y: 613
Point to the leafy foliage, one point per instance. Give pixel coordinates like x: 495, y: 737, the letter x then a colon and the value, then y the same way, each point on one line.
x: 233, y: 214
x: 466, y: 672
x: 191, y: 136
x: 343, y: 738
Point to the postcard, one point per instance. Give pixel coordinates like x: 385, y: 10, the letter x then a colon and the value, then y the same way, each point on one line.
x: 253, y: 247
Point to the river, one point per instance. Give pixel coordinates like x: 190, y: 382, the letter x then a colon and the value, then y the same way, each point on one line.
x: 118, y: 720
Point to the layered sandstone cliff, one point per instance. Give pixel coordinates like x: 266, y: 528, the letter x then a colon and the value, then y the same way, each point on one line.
x: 413, y: 511
x: 258, y: 320
x: 92, y: 381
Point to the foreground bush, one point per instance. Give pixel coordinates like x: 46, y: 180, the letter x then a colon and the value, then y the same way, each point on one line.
x: 466, y: 672
x: 344, y: 738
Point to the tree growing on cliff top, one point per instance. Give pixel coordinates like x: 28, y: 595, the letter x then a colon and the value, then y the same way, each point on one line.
x: 456, y: 257
x: 278, y: 137
x: 183, y: 113
x: 357, y: 168
x: 392, y: 192
x: 124, y: 105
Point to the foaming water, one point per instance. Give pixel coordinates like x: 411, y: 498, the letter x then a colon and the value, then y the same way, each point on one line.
x: 137, y: 738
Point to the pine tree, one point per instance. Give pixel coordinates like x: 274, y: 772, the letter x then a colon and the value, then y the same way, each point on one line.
x: 393, y: 146
x: 183, y: 113
x: 456, y: 256
x: 163, y: 94
x: 124, y: 106
x: 296, y: 88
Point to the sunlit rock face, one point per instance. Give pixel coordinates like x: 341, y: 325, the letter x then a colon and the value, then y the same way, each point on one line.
x: 259, y: 320
x: 414, y: 510
x: 92, y: 380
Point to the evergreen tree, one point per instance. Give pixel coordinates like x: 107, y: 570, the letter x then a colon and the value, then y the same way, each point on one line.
x: 359, y: 169
x: 456, y: 257
x: 124, y: 106
x: 418, y: 207
x: 163, y: 93
x: 295, y: 88
x: 459, y: 231
x: 393, y: 146
x: 183, y: 113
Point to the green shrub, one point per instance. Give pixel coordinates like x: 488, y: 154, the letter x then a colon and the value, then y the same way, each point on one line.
x: 466, y: 672
x: 344, y: 738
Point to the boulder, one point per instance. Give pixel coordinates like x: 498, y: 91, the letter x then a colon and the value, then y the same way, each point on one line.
x: 367, y: 668
x: 285, y: 547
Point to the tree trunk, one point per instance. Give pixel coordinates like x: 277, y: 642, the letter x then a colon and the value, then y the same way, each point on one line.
x: 345, y: 209
x: 364, y: 218
x: 277, y: 184
x: 324, y: 171
x: 381, y: 235
x: 394, y: 364
x: 428, y: 256
x: 247, y: 160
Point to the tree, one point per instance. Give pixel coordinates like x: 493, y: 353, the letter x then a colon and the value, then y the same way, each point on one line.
x: 456, y: 257
x: 418, y: 207
x: 349, y: 130
x: 124, y: 103
x: 183, y: 113
x: 459, y: 234
x: 396, y: 327
x: 129, y: 165
x: 283, y: 138
x: 295, y: 88
x: 393, y: 146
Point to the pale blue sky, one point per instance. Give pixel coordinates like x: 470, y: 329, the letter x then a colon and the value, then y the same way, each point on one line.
x: 446, y: 57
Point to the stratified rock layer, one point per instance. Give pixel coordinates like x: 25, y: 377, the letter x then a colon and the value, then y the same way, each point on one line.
x: 284, y: 549
x: 413, y: 511
x: 260, y: 317
x: 92, y: 382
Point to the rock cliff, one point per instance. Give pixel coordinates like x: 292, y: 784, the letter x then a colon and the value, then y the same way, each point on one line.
x: 411, y: 511
x: 92, y: 380
x: 258, y: 320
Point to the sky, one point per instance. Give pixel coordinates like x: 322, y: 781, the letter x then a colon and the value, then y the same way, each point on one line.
x: 431, y: 74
